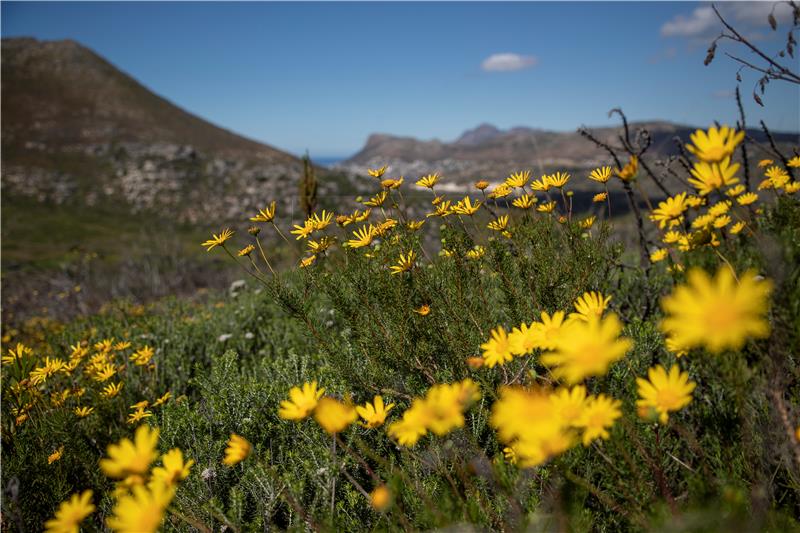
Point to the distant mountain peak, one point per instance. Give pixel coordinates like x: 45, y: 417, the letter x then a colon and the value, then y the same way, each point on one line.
x: 478, y: 135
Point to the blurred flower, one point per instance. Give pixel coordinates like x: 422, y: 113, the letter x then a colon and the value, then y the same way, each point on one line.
x: 302, y: 401
x: 405, y: 263
x: 141, y: 510
x: 334, y: 416
x: 664, y: 391
x: 716, y: 144
x: 131, y: 458
x: 237, y: 451
x: 497, y: 350
x: 374, y: 414
x: 598, y: 417
x: 174, y: 469
x: 709, y: 177
x: 381, y: 498
x: 71, y: 513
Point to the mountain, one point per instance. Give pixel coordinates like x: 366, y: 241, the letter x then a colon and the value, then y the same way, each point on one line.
x: 78, y: 131
x: 487, y: 151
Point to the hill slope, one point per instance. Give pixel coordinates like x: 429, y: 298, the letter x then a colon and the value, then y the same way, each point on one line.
x: 77, y: 130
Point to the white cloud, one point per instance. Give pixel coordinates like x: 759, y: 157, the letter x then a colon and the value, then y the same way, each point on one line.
x: 507, y: 62
x: 703, y: 23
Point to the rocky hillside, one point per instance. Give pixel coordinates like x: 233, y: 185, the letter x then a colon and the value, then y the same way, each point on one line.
x: 78, y: 131
x: 487, y: 151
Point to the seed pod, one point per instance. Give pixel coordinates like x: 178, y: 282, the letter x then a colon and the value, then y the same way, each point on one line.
x: 772, y: 22
x: 711, y: 51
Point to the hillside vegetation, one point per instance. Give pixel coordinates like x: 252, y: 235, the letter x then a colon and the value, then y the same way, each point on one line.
x: 499, y: 362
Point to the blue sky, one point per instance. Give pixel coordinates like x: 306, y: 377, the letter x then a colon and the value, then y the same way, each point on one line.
x: 323, y: 76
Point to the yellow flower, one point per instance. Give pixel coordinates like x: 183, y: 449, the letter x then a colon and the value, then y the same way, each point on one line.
x: 392, y: 183
x: 658, y: 255
x: 374, y: 414
x: 111, y: 390
x: 664, y: 392
x: 17, y: 354
x: 423, y: 310
x: 237, y: 451
x: 721, y: 222
x: 737, y: 228
x: 717, y: 313
x: 414, y: 225
x: 542, y: 184
x: 142, y: 510
x: 56, y: 455
x: 303, y: 231
x: 794, y: 162
x: 466, y: 207
x: 675, y: 348
x: 413, y: 425
x: 670, y: 210
x: 590, y: 305
x: 446, y: 404
x: 40, y: 374
x: 301, y: 401
x: 163, y: 399
x: 83, y: 412
x: 174, y: 469
x: 140, y: 405
x: 381, y: 498
x: 405, y: 263
x: 246, y: 251
x: 142, y: 356
x: 734, y: 191
x: 792, y: 187
x: 481, y: 185
x: 476, y: 253
x: 138, y: 415
x: 218, y: 240
x: 715, y: 145
x: 709, y: 177
x: 601, y: 197
x: 497, y: 350
x: 526, y: 201
x: 363, y: 237
x: 518, y: 179
x: 501, y: 191
x: 777, y: 176
x: 672, y: 237
x: 569, y: 403
x: 265, y: 215
x: 601, y: 175
x: 377, y: 172
x: 587, y: 222
x: 524, y: 339
x: 765, y: 163
x: 546, y: 207
x: 510, y: 455
x: 629, y: 171
x: 443, y: 209
x: 334, y: 416
x: 128, y: 458
x: 321, y: 221
x: 587, y: 348
x: 720, y: 208
x: 499, y: 224
x: 558, y: 180
x: 598, y: 416
x: 70, y: 514
x: 549, y: 329
x: 428, y: 181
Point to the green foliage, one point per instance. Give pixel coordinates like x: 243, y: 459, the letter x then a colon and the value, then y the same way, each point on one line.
x: 724, y: 462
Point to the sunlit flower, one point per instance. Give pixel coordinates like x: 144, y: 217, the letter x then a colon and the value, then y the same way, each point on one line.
x: 111, y: 390
x: 659, y: 255
x: 526, y: 201
x: 518, y: 179
x: 497, y: 350
x: 374, y: 414
x: 777, y: 176
x: 466, y: 207
x: 558, y: 180
x: 601, y: 197
x: 71, y: 513
x: 17, y: 354
x: 246, y: 251
x: 142, y: 356
x: 392, y: 183
x: 377, y: 172
x: 598, y: 417
x: 709, y: 177
x: 218, y: 240
x: 794, y: 162
x: 476, y: 253
x: 303, y: 231
x: 542, y: 184
x: 601, y: 175
x: 265, y: 215
x: 590, y: 305
x: 141, y: 510
x: 428, y: 181
x: 587, y: 348
x: 481, y: 185
x: 40, y: 374
x: 128, y: 458
x: 499, y: 224
x: 362, y: 237
x: 414, y: 225
x: 546, y: 207
x: 737, y: 228
x: 301, y: 402
x: 139, y: 415
x: 163, y: 399
x: 765, y: 163
x: 83, y: 412
x: 587, y: 222
x: 665, y: 392
x: 717, y: 313
x: 405, y: 263
x: 334, y: 416
x: 716, y: 144
x: 173, y: 467
x: 423, y: 310
x: 734, y: 191
x: 238, y: 450
x: 670, y: 211
x: 413, y: 425
x: 569, y: 403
